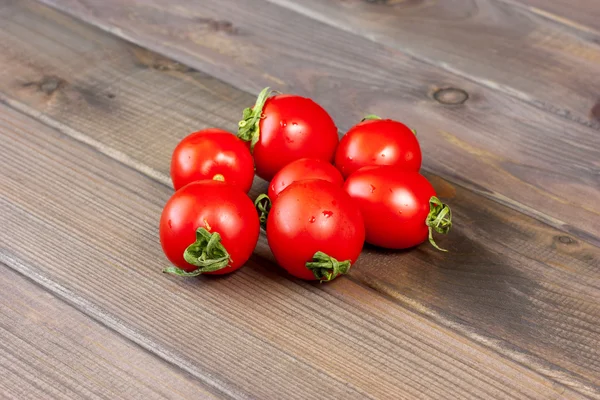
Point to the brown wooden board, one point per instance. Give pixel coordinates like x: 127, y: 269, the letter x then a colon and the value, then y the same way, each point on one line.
x: 48, y: 349
x: 510, y: 283
x: 84, y: 226
x: 579, y: 14
x: 501, y: 44
x: 507, y: 149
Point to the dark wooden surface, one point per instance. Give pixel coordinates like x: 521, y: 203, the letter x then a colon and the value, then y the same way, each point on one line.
x: 499, y: 144
x: 87, y: 125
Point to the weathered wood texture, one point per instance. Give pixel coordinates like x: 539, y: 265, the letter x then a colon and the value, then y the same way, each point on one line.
x: 510, y: 150
x: 510, y: 283
x: 253, y: 334
x: 50, y: 350
x: 495, y: 42
x: 580, y: 14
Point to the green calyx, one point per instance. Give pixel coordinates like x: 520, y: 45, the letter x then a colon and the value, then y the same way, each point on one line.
x: 370, y: 117
x: 439, y: 219
x: 248, y: 127
x: 207, y: 253
x: 326, y: 268
x: 263, y: 206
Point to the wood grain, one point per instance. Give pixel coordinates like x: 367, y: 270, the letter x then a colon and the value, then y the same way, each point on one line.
x: 506, y: 273
x: 497, y: 43
x: 580, y: 14
x: 50, y: 350
x: 506, y: 149
x: 253, y: 334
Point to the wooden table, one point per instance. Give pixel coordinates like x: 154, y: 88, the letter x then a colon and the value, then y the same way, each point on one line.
x: 505, y: 95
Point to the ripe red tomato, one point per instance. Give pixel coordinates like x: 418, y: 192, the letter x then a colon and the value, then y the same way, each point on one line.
x: 212, y: 154
x: 399, y: 207
x: 305, y: 168
x: 315, y: 230
x: 378, y: 142
x: 285, y: 128
x: 208, y: 227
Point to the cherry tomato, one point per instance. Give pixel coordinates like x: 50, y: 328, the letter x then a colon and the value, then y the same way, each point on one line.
x: 305, y: 168
x: 378, y: 142
x: 285, y: 128
x: 208, y: 227
x: 212, y: 154
x: 315, y: 230
x: 400, y: 208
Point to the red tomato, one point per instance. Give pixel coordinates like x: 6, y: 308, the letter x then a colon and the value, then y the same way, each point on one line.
x: 378, y: 142
x: 212, y: 154
x: 305, y: 168
x: 399, y: 207
x: 315, y: 230
x: 285, y: 128
x: 208, y: 227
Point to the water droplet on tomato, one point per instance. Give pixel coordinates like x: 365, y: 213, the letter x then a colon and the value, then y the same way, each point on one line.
x: 295, y: 123
x: 327, y: 214
x: 373, y: 189
x: 170, y: 224
x: 312, y: 219
x: 282, y: 123
x: 289, y: 139
x: 383, y: 155
x: 349, y: 158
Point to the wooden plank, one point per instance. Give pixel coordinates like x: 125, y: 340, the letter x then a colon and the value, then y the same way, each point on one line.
x: 579, y: 14
x: 506, y: 149
x: 499, y: 44
x: 498, y: 257
x: 50, y: 350
x: 84, y: 226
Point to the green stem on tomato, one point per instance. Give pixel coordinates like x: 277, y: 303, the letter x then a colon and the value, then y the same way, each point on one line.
x: 207, y: 253
x: 248, y: 127
x: 263, y: 205
x: 326, y: 268
x: 370, y: 117
x: 439, y: 219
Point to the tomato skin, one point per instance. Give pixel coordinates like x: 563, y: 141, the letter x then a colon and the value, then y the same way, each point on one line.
x: 293, y: 127
x: 303, y: 169
x: 217, y: 207
x: 310, y: 216
x: 378, y: 142
x: 394, y: 204
x: 204, y: 154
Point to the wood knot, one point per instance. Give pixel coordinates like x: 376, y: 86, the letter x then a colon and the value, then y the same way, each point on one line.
x: 596, y: 111
x: 565, y: 240
x: 218, y: 25
x: 47, y: 85
x: 150, y: 59
x: 450, y: 96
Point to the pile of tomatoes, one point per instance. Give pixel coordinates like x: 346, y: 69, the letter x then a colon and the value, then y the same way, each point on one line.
x: 326, y: 196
